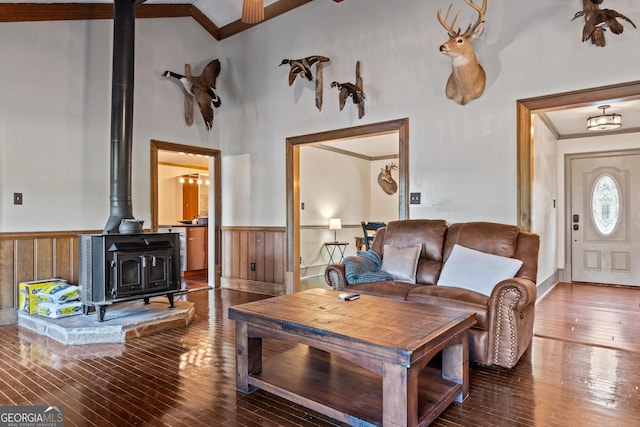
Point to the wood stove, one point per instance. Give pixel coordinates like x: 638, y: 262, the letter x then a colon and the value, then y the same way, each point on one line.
x: 116, y: 268
x: 124, y: 263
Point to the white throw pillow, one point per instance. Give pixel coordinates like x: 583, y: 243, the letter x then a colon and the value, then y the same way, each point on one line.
x: 401, y: 263
x: 477, y: 271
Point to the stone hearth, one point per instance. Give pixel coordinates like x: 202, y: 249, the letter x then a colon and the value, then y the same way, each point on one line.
x: 123, y: 321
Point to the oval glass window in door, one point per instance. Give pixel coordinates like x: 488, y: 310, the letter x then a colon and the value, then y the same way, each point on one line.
x: 605, y: 204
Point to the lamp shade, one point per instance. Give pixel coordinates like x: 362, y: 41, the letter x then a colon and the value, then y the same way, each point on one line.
x: 252, y: 11
x: 604, y: 121
x: 335, y: 224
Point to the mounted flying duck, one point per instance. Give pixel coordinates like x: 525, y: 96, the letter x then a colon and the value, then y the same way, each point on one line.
x: 302, y: 67
x: 598, y: 20
x: 346, y: 90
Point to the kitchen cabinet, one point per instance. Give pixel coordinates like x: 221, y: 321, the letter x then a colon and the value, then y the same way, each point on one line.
x: 196, y: 253
x: 194, y: 247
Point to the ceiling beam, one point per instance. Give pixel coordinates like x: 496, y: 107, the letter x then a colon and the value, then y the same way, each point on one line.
x: 271, y: 11
x: 32, y: 12
x: 29, y: 12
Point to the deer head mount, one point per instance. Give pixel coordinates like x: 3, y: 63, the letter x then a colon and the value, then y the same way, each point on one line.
x: 467, y: 78
x: 385, y: 179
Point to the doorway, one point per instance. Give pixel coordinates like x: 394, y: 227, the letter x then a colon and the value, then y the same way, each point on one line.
x: 600, y: 202
x: 213, y: 198
x: 526, y: 109
x: 293, y: 145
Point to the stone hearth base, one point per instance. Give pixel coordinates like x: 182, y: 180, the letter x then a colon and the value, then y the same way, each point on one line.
x: 122, y: 322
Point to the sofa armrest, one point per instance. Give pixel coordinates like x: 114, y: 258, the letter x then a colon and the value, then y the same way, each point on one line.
x: 525, y: 287
x: 511, y: 314
x: 335, y: 276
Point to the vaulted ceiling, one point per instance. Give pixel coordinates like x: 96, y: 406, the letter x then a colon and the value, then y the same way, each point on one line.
x: 221, y: 18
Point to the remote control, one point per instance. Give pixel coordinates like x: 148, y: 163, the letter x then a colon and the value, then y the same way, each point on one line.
x: 348, y: 296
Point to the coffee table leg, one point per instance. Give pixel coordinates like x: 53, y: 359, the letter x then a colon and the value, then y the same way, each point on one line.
x: 400, y: 395
x: 248, y: 357
x: 455, y: 365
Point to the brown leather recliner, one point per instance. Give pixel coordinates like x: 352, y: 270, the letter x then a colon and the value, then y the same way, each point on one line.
x: 504, y: 327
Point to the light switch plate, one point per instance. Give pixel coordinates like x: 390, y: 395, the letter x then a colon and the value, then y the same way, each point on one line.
x: 17, y: 198
x: 414, y: 198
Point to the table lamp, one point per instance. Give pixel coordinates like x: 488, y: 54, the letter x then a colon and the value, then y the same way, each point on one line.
x: 335, y: 224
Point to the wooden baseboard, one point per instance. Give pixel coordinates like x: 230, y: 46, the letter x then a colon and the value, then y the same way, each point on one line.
x: 195, y: 272
x: 547, y: 285
x: 265, y: 288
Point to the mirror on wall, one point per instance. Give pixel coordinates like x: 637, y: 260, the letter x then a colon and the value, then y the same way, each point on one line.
x: 183, y: 186
x: 369, y: 165
x: 333, y: 199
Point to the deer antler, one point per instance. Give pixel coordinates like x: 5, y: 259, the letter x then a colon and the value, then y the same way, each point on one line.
x: 471, y: 28
x: 443, y: 22
x: 481, y: 11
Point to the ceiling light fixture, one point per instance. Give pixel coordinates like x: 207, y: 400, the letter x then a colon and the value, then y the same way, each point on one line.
x: 252, y: 11
x: 604, y: 121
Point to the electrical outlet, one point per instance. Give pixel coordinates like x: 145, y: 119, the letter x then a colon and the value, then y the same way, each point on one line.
x: 414, y: 198
x: 17, y: 198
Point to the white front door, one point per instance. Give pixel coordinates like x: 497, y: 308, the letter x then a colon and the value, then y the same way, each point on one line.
x: 605, y: 219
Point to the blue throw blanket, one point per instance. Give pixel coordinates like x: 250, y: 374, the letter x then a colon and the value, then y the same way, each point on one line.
x: 364, y: 268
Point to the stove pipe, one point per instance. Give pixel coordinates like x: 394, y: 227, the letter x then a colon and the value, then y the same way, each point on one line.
x: 121, y: 113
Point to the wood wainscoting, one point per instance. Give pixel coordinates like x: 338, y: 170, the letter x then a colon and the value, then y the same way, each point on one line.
x: 253, y: 259
x: 28, y: 256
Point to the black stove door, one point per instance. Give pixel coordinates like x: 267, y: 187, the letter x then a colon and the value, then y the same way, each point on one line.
x: 127, y: 276
x: 158, y: 271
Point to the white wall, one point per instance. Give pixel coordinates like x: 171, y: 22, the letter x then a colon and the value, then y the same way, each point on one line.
x: 545, y: 217
x: 55, y: 104
x: 462, y: 158
x: 170, y: 194
x: 55, y: 116
x: 334, y: 185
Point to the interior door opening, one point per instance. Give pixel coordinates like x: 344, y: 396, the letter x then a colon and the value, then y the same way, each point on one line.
x: 186, y: 196
x: 399, y: 127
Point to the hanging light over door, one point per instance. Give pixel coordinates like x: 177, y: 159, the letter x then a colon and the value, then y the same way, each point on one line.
x: 604, y: 121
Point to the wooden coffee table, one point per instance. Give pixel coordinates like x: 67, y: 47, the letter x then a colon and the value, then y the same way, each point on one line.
x: 363, y: 362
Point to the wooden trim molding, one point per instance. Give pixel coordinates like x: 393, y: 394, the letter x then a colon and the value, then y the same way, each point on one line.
x: 216, y: 218
x: 559, y: 101
x: 271, y: 11
x: 32, y: 12
x: 293, y: 144
x: 26, y: 12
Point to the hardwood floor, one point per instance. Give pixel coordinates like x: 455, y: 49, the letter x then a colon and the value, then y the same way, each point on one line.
x: 591, y: 314
x: 186, y: 376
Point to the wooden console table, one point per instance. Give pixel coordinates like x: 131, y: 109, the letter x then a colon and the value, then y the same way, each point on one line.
x: 363, y: 362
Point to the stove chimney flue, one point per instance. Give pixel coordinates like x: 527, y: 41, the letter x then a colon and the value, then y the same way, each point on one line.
x: 121, y: 113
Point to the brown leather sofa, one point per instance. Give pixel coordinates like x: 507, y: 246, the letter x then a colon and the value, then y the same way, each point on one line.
x: 504, y: 327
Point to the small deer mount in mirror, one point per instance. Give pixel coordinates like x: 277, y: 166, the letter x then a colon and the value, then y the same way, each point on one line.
x: 385, y: 179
